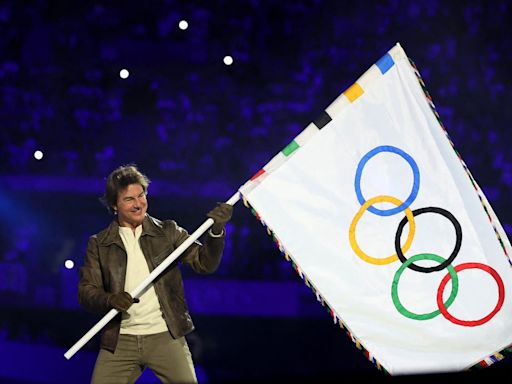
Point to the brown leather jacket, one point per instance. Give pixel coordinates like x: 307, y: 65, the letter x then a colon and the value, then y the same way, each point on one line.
x: 104, y: 270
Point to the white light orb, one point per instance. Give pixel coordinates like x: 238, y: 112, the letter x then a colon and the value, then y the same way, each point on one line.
x: 183, y: 25
x: 228, y: 60
x: 69, y: 264
x: 124, y: 73
x: 38, y: 155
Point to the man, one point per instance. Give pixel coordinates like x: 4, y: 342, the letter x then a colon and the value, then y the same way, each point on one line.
x: 149, y: 333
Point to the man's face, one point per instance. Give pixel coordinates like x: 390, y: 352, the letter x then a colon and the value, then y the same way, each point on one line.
x: 131, y: 206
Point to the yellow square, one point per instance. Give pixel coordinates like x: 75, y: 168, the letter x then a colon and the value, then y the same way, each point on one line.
x: 353, y: 92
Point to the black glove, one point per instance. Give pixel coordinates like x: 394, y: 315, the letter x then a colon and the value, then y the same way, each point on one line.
x: 221, y: 214
x: 121, y: 301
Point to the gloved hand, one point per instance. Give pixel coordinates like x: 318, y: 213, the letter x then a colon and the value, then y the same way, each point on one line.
x: 121, y: 301
x: 221, y: 214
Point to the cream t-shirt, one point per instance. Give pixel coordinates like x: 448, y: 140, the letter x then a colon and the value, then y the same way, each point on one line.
x: 145, y: 317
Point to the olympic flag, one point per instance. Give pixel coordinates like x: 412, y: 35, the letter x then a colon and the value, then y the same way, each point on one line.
x: 383, y: 220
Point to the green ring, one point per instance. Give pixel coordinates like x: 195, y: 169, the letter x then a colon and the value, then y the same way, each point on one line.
x: 394, y: 286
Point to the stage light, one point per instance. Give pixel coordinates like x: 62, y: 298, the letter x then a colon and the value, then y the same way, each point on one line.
x: 38, y: 155
x: 183, y: 25
x: 228, y: 60
x: 69, y: 264
x: 124, y: 73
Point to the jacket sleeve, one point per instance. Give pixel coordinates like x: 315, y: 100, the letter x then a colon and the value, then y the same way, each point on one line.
x: 91, y: 293
x: 202, y: 258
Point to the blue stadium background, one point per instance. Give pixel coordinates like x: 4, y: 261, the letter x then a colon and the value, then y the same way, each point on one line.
x: 199, y: 129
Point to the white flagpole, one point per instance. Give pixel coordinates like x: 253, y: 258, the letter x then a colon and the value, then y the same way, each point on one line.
x: 152, y: 276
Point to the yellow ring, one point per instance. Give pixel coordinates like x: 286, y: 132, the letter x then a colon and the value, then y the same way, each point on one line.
x: 352, y: 230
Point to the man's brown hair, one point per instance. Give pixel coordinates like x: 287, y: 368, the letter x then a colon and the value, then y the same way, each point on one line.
x: 119, y: 179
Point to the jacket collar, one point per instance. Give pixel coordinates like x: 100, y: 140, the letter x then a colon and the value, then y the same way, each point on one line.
x: 110, y: 235
x: 152, y: 227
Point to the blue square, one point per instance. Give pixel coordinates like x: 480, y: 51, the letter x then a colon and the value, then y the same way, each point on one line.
x: 384, y: 63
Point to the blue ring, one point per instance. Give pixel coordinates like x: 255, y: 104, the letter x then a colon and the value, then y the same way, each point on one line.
x: 415, y: 186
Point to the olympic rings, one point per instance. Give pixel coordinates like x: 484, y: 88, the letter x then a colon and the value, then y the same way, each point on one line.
x: 415, y: 186
x: 394, y: 286
x: 456, y: 249
x: 352, y: 231
x: 485, y: 319
x: 409, y: 263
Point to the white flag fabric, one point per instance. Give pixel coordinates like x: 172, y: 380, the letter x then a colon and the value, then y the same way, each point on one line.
x: 383, y: 220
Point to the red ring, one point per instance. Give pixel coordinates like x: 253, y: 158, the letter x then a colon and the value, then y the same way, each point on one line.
x: 471, y: 323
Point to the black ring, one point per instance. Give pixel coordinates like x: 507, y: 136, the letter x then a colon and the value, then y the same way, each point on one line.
x: 458, y: 241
